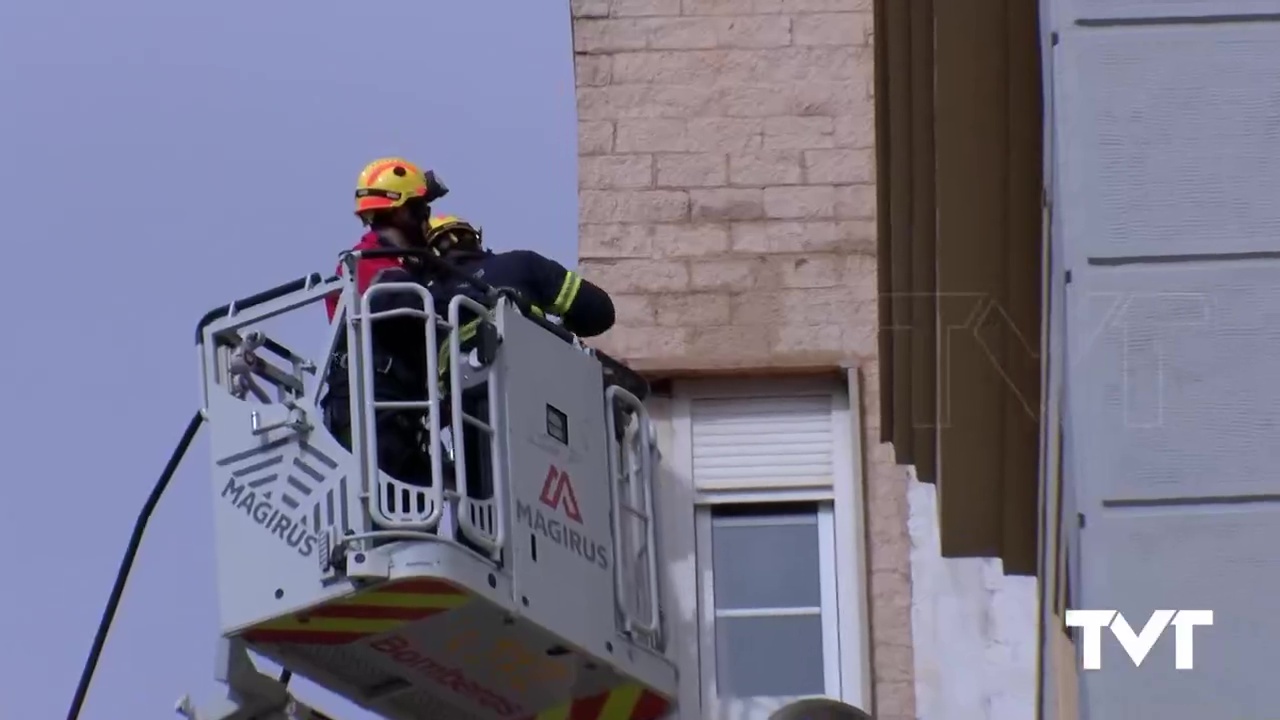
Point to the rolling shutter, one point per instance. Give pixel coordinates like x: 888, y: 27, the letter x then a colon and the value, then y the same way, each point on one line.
x: 746, y: 442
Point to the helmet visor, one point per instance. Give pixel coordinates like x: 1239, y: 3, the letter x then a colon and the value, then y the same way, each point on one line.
x: 376, y: 199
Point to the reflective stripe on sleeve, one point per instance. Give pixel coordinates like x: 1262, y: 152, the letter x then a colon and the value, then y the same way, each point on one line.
x: 568, y: 293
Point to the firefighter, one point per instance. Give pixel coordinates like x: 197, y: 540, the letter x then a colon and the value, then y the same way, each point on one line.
x: 583, y: 308
x: 393, y: 200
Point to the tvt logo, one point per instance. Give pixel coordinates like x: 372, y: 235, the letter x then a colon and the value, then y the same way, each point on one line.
x: 1138, y: 645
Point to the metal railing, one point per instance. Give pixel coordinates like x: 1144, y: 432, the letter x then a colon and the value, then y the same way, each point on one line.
x: 481, y: 520
x: 631, y: 470
x: 393, y: 503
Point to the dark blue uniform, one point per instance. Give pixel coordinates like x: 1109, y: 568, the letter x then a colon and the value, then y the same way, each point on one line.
x: 583, y: 308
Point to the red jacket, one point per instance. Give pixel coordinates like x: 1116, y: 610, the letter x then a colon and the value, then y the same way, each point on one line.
x: 366, y: 269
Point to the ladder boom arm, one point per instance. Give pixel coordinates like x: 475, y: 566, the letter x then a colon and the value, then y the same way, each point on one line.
x: 251, y: 693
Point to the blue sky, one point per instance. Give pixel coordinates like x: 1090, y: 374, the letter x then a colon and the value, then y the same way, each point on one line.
x: 158, y: 158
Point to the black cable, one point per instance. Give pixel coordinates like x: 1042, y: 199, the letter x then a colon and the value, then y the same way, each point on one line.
x: 126, y: 565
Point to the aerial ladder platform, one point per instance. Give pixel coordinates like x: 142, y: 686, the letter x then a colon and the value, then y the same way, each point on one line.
x: 525, y: 587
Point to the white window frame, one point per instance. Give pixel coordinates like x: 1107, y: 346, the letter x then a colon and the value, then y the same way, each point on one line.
x: 841, y: 520
x: 708, y: 614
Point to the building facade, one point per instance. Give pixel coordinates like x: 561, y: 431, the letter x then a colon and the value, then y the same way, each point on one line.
x: 1109, y: 416
x: 728, y: 201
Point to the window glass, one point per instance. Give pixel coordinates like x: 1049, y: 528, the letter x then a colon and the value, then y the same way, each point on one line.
x: 771, y: 656
x: 766, y: 561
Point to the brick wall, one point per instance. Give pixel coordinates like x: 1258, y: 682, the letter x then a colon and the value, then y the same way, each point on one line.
x: 727, y: 200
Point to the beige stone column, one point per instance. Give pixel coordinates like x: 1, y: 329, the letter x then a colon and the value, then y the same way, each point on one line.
x: 728, y: 201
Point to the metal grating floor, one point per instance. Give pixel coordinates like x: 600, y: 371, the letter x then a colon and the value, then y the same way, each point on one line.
x: 339, y: 661
x: 417, y: 703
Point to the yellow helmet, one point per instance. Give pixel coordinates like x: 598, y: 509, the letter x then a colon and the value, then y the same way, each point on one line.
x: 391, y: 182
x: 449, y: 231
